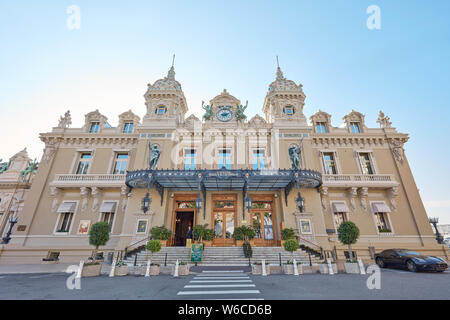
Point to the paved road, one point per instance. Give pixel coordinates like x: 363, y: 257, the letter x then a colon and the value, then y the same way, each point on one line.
x: 395, y: 284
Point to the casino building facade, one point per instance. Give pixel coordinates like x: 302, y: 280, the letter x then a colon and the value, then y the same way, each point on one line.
x: 225, y: 170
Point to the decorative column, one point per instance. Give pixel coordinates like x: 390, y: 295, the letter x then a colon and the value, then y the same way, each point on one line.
x: 323, y: 196
x: 55, y: 193
x: 393, y: 193
x: 353, y: 193
x: 363, y: 193
x: 84, y: 194
x: 96, y: 194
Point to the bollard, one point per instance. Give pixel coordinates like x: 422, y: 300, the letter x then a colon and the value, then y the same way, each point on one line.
x: 361, y: 266
x: 279, y: 257
x: 135, y: 260
x: 165, y: 260
x: 330, y: 267
x: 175, y: 274
x: 263, y: 265
x: 295, y: 267
x: 249, y: 262
x: 113, y: 266
x: 147, y: 271
x: 310, y: 262
x: 80, y: 269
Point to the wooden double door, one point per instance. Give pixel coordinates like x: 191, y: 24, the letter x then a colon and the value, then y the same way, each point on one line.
x: 223, y: 217
x: 262, y: 220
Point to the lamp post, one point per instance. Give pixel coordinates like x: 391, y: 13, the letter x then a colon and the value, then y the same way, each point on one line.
x: 198, y: 202
x: 12, y: 221
x: 439, y: 238
x: 300, y: 202
x: 248, y: 202
x: 146, y: 201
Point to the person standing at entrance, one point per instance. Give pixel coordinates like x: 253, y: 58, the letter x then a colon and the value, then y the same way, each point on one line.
x: 189, y: 237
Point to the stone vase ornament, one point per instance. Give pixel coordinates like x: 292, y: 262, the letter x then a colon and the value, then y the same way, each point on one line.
x: 351, y: 267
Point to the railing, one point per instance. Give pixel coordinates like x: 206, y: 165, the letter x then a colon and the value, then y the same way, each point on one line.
x: 90, y: 179
x: 136, y: 246
x: 358, y: 178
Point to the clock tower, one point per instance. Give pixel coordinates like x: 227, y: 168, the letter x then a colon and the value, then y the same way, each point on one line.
x: 224, y: 110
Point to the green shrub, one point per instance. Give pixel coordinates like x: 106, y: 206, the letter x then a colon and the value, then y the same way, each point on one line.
x: 198, y: 232
x: 290, y: 245
x: 238, y: 234
x: 160, y: 233
x: 348, y: 233
x: 153, y: 246
x: 120, y: 263
x: 98, y: 236
x: 248, y: 252
x: 244, y: 233
x: 287, y: 233
x: 208, y: 234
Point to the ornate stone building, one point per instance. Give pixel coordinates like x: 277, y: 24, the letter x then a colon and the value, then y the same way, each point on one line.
x: 223, y: 170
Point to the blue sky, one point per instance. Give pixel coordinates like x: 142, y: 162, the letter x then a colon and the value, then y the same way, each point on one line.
x: 402, y: 69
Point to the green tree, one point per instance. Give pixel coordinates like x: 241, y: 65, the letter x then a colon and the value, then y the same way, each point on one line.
x: 291, y: 245
x: 348, y: 233
x: 287, y: 233
x: 153, y: 246
x: 160, y: 233
x: 98, y: 236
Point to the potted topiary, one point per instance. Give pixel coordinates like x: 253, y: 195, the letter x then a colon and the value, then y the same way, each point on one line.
x: 348, y: 233
x: 183, y: 268
x: 288, y: 267
x: 161, y: 233
x: 290, y: 245
x: 286, y: 234
x: 208, y: 236
x: 239, y: 236
x: 198, y: 232
x: 121, y: 268
x: 152, y: 246
x: 98, y: 236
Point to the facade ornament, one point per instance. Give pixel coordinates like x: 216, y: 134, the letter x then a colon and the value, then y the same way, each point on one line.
x: 397, y: 150
x: 240, y: 111
x: 65, y: 121
x: 353, y: 193
x: 295, y: 155
x: 208, y: 111
x: 50, y: 150
x: 96, y: 194
x: 383, y: 120
x: 125, y: 195
x: 323, y: 196
x: 154, y: 153
x: 363, y: 193
x: 84, y: 193
x: 4, y: 166
x: 54, y: 193
x: 393, y: 193
x: 31, y: 168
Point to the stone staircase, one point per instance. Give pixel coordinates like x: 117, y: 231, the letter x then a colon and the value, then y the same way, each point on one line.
x: 224, y: 256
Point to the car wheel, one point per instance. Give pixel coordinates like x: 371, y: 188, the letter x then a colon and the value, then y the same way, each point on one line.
x: 411, y: 266
x: 380, y: 263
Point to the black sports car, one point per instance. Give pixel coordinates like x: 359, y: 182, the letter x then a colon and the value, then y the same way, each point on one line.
x: 413, y: 261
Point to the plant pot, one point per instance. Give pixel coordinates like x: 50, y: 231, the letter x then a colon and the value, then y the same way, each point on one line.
x: 207, y: 243
x: 257, y: 269
x: 183, y: 270
x: 154, y: 270
x: 252, y: 242
x: 311, y: 269
x: 289, y: 268
x: 93, y: 270
x: 351, y: 267
x: 323, y: 267
x: 282, y: 243
x: 239, y: 243
x: 121, y: 271
x: 163, y: 243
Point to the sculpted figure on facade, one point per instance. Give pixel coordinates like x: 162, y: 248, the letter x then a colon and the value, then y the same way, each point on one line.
x: 154, y: 153
x: 208, y: 111
x: 65, y: 121
x: 4, y: 166
x: 295, y: 155
x: 30, y: 169
x: 383, y: 120
x: 397, y: 150
x: 240, y: 112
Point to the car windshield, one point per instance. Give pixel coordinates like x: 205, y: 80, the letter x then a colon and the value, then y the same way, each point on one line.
x: 408, y: 253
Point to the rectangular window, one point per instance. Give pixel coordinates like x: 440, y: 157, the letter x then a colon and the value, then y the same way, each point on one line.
x: 83, y: 163
x: 258, y: 160
x: 305, y: 226
x: 120, y: 163
x: 366, y: 164
x: 128, y: 127
x: 161, y: 110
x: 109, y: 218
x: 190, y: 159
x: 141, y: 226
x: 224, y: 159
x: 321, y: 127
x: 95, y: 125
x: 382, y: 222
x: 354, y: 127
x: 329, y: 163
x: 65, y: 221
x: 289, y: 110
x: 339, y: 217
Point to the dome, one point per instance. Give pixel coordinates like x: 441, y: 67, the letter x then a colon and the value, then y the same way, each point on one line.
x: 283, y: 84
x: 168, y: 83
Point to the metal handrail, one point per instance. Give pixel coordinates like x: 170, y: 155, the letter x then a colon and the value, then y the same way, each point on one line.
x: 127, y: 249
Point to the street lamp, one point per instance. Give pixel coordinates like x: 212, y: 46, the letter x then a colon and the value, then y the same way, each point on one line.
x: 439, y: 238
x: 12, y: 221
x: 198, y: 202
x: 248, y: 202
x: 300, y: 202
x: 146, y: 201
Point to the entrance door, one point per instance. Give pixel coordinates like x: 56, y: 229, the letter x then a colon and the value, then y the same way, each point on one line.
x: 183, y: 221
x: 224, y: 219
x: 263, y: 224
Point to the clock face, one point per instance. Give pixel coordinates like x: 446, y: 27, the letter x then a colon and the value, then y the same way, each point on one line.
x: 224, y: 114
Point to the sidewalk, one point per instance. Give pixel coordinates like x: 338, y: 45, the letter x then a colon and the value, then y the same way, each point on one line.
x: 33, y: 268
